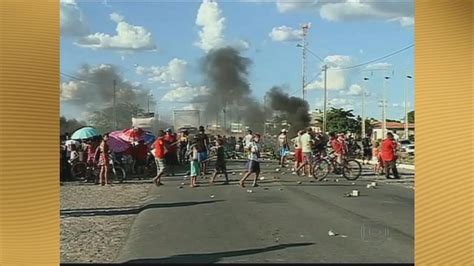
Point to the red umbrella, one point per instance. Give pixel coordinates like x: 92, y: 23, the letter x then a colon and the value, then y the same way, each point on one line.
x: 132, y: 134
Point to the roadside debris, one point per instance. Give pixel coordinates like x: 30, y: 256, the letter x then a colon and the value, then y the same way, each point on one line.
x: 299, y: 182
x: 332, y: 233
x: 281, y: 189
x: 212, y: 196
x: 233, y: 173
x: 337, y: 180
x: 249, y: 191
x: 262, y: 178
x: 278, y: 169
x: 180, y: 187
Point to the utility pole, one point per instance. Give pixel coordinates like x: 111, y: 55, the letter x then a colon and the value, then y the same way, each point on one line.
x: 325, y: 68
x: 115, y: 108
x: 304, y: 29
x: 406, y: 108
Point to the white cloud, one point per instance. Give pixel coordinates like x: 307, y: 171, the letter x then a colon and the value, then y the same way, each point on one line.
x: 72, y: 21
x: 185, y: 93
x: 285, y: 34
x: 354, y: 10
x: 295, y: 5
x: 128, y: 38
x: 116, y: 17
x: 405, y: 21
x: 210, y: 18
x: 174, y: 72
x: 378, y: 66
x: 336, y: 79
x: 355, y: 90
x: 212, y: 22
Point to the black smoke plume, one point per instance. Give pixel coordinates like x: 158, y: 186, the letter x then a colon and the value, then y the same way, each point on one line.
x: 226, y: 74
x: 296, y: 110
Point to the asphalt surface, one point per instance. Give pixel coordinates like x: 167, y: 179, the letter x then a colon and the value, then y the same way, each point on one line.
x: 283, y: 220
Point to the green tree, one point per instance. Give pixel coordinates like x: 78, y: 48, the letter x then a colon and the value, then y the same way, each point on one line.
x: 411, y: 117
x: 103, y: 120
x: 340, y: 120
x: 69, y: 125
x: 368, y: 126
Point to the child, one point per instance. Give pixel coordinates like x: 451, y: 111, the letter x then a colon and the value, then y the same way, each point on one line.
x: 253, y: 164
x: 378, y: 167
x: 195, y: 164
x: 220, y: 162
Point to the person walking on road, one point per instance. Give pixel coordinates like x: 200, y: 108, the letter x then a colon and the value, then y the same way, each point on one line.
x: 183, y: 144
x: 220, y: 162
x: 388, y: 151
x: 367, y: 147
x: 306, y: 148
x: 248, y: 138
x: 298, y: 150
x: 194, y: 163
x: 283, y: 146
x: 253, y: 164
x: 171, y: 157
x: 102, y: 153
x: 159, y: 153
x: 202, y: 146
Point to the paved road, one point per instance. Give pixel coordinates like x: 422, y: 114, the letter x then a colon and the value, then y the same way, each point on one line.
x: 280, y: 221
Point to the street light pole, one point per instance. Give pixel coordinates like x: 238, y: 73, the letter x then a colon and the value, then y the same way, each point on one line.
x: 115, y: 109
x: 363, y: 107
x: 384, y: 107
x: 406, y: 108
x: 325, y: 68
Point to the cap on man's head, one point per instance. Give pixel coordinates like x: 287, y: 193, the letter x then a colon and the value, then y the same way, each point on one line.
x: 284, y: 131
x: 169, y: 130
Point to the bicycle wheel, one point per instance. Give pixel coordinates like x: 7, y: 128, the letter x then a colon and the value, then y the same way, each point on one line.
x: 351, y: 170
x: 320, y: 170
x: 118, y: 174
x: 79, y: 170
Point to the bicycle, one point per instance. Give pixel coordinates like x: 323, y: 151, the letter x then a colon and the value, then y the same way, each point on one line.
x: 322, y: 166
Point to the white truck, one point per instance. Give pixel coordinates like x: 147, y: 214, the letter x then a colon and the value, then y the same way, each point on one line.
x: 145, y: 122
x: 187, y: 119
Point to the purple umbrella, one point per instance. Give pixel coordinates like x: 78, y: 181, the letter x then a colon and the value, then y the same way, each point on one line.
x: 116, y: 144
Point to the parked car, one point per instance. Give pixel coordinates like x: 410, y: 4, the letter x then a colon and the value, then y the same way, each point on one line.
x: 404, y: 143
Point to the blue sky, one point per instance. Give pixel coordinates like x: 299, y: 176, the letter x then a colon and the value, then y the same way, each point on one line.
x: 157, y: 50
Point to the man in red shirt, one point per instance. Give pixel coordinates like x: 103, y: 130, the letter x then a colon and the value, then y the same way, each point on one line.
x: 159, y: 152
x: 389, y: 157
x: 171, y: 142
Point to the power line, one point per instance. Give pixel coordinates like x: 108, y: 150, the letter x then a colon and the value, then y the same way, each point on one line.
x: 76, y: 78
x: 374, y: 60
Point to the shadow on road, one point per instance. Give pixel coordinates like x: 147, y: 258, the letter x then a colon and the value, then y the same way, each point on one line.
x: 215, y: 257
x: 129, y: 210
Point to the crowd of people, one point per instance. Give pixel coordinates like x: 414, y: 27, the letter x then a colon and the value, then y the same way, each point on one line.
x: 309, y: 143
x: 170, y: 150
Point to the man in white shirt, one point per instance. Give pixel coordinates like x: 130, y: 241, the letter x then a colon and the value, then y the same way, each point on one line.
x: 283, y: 145
x: 248, y: 138
x: 306, y: 148
x: 253, y: 165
